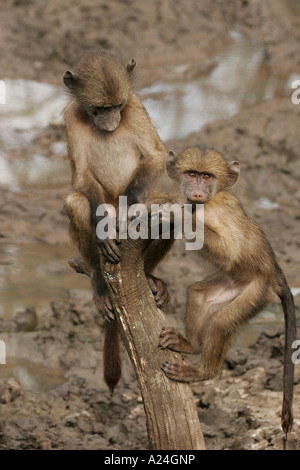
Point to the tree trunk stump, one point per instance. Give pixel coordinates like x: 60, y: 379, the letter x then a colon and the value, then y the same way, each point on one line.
x: 171, y: 414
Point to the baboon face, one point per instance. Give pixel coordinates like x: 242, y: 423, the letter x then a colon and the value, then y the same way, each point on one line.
x: 106, y: 118
x: 198, y: 187
x: 102, y: 85
x: 201, y: 173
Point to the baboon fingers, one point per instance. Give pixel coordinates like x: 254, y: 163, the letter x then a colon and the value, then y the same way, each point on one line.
x: 169, y: 338
x: 166, y: 330
x: 164, y: 298
x: 173, y: 340
x: 175, y: 371
x: 110, y: 250
x: 152, y: 285
x: 104, y: 307
x: 159, y: 290
x: 184, y: 372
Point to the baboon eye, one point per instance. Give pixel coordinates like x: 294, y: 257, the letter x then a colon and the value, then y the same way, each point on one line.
x: 192, y: 174
x: 101, y: 109
x: 206, y: 176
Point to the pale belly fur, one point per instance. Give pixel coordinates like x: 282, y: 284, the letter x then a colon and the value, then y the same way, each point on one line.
x: 115, y: 170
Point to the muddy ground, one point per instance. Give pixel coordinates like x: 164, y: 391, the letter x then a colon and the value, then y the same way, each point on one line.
x: 63, y: 341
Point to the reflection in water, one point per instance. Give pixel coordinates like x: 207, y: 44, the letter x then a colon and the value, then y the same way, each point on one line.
x: 241, y: 78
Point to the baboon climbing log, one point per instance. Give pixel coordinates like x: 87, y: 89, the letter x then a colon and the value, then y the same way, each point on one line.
x: 246, y: 277
x: 113, y: 150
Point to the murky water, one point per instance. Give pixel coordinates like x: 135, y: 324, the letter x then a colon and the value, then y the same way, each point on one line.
x: 32, y: 376
x: 19, y: 174
x: 30, y: 106
x: 34, y: 276
x: 240, y: 78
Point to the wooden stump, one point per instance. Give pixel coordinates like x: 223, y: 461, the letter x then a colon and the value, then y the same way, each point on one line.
x: 171, y: 413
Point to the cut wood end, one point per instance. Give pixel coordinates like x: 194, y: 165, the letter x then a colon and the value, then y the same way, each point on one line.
x: 79, y: 266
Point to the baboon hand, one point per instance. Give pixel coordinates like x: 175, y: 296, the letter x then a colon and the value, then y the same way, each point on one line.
x: 110, y: 250
x: 170, y: 339
x: 184, y: 372
x: 159, y: 290
x: 104, y: 306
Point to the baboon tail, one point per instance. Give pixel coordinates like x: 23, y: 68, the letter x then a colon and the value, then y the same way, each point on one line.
x: 288, y: 306
x: 111, y: 355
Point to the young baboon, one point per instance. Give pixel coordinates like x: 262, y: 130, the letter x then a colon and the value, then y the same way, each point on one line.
x: 246, y: 278
x: 114, y: 150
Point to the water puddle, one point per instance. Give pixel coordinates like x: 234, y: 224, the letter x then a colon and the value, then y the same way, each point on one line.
x: 20, y: 174
x: 32, y: 276
x: 241, y: 78
x: 29, y: 106
x: 30, y: 375
x: 270, y: 319
x: 35, y: 274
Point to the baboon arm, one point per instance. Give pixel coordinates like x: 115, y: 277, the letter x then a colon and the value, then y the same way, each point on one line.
x: 143, y: 180
x: 94, y: 193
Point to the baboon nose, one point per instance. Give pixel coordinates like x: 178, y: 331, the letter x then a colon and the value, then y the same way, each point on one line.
x: 198, y: 197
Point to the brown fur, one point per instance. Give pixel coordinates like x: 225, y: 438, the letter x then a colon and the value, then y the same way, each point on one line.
x: 101, y: 79
x: 113, y: 150
x: 212, y: 159
x: 246, y: 276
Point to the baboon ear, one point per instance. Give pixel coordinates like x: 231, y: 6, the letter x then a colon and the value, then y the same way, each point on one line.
x: 234, y: 172
x: 70, y: 80
x: 131, y: 66
x: 170, y: 163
